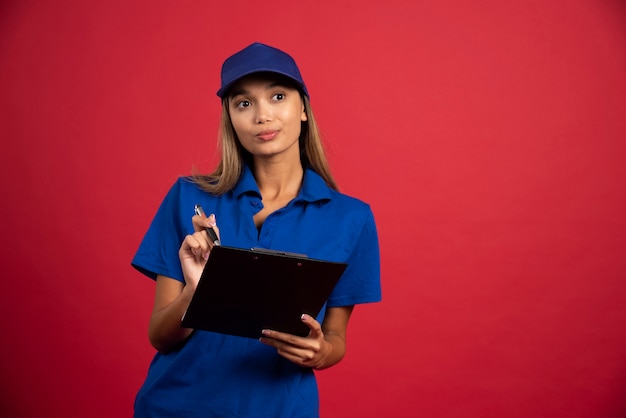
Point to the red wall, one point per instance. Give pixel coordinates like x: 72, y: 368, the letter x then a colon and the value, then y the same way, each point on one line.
x: 488, y: 137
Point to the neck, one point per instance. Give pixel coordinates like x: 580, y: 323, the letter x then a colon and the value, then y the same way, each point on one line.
x: 278, y: 179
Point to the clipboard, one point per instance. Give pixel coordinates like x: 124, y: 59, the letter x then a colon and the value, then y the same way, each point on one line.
x: 241, y: 292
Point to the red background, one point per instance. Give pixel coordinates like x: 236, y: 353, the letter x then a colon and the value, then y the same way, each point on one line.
x: 488, y: 137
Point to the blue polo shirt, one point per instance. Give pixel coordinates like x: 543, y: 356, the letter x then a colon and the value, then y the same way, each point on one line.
x: 219, y: 375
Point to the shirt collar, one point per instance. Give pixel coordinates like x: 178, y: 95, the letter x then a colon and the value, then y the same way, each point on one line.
x: 313, y: 188
x: 246, y: 183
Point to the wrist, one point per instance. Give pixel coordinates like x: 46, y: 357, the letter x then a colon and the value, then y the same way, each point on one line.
x: 188, y: 290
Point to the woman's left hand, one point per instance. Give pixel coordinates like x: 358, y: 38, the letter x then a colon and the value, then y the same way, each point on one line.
x: 323, y: 347
x: 309, y: 351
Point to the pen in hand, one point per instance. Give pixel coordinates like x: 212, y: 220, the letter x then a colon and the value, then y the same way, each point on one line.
x: 212, y: 235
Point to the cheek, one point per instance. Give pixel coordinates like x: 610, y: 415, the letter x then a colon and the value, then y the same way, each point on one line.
x: 295, y: 124
x: 295, y: 116
x: 238, y: 125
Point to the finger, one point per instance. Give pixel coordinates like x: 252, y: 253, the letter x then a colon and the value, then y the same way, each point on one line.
x: 212, y: 230
x: 281, y: 339
x: 190, y: 245
x: 289, y: 342
x: 281, y: 350
x: 290, y: 351
x: 315, y: 332
x: 197, y: 244
x: 297, y: 358
x: 213, y: 224
x: 202, y: 223
x: 314, y: 326
x: 205, y: 244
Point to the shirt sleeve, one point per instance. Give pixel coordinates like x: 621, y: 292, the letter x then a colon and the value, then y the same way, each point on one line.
x: 158, y: 251
x: 360, y: 283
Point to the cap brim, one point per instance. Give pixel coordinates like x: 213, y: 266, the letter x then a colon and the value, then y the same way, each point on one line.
x: 224, y: 90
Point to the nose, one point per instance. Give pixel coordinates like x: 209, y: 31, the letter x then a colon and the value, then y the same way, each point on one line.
x: 263, y: 113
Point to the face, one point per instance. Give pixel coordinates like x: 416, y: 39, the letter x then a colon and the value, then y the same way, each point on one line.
x: 266, y: 115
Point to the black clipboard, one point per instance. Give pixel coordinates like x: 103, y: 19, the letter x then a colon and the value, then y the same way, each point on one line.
x: 242, y: 292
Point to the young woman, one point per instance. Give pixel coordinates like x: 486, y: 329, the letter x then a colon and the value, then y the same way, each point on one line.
x: 272, y: 189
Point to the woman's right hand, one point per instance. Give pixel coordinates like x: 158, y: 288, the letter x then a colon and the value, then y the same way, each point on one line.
x: 172, y: 297
x: 195, y: 249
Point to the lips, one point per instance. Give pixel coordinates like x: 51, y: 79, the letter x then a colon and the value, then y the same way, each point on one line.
x: 267, y: 135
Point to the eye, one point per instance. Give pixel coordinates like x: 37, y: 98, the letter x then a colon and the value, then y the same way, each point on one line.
x: 242, y: 104
x: 278, y: 97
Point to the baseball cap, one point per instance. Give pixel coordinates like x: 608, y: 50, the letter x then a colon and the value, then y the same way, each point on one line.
x: 257, y: 58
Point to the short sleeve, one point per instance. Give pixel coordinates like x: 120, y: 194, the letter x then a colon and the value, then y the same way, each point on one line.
x: 360, y: 283
x: 158, y: 251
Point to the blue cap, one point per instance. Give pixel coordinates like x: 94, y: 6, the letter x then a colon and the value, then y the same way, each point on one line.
x: 258, y: 58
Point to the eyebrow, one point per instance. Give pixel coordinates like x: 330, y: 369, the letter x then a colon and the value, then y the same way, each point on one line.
x: 269, y: 86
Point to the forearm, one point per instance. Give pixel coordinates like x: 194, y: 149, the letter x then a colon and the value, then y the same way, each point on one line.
x: 164, y: 331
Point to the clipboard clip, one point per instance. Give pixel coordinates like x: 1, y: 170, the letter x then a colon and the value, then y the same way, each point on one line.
x: 278, y: 252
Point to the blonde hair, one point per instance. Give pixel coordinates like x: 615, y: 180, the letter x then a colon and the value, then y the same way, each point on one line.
x: 234, y: 156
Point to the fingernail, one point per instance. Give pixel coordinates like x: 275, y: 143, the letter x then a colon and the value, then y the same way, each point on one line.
x: 212, y: 220
x: 265, y: 332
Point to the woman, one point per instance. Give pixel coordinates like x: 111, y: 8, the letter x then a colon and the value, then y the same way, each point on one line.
x: 272, y: 189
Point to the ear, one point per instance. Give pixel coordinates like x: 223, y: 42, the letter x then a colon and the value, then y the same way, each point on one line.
x: 303, y: 117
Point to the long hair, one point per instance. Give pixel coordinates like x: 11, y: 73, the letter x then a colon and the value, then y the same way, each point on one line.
x: 235, y: 156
